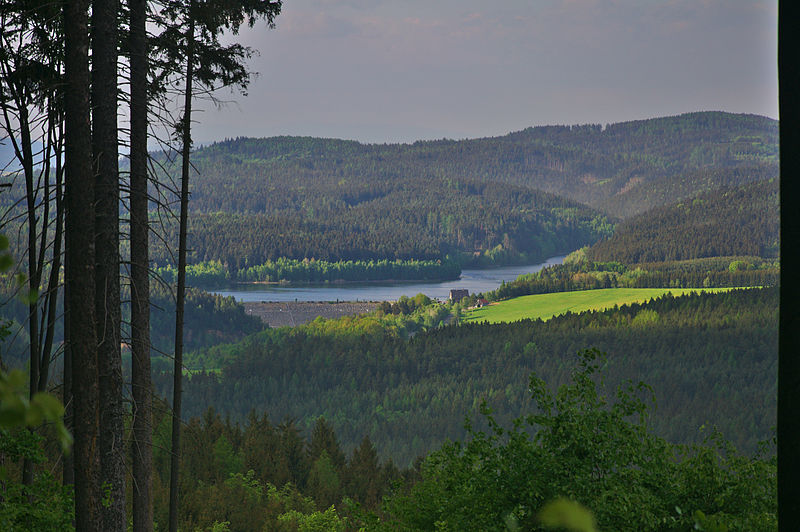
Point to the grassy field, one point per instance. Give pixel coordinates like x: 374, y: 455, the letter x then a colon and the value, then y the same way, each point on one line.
x: 545, y: 306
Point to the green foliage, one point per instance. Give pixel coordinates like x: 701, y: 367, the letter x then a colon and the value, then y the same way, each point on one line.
x: 264, y: 476
x: 215, y: 274
x: 17, y: 411
x: 568, y: 514
x: 327, y: 521
x: 324, y: 484
x: 216, y: 526
x: 45, y: 505
x: 402, y: 220
x: 210, y: 319
x: 580, y: 449
x: 6, y: 259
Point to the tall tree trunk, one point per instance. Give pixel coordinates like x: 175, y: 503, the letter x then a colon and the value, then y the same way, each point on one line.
x: 33, y: 272
x: 181, y: 289
x: 789, y: 343
x: 68, y: 459
x: 107, y: 294
x: 50, y: 300
x: 142, y: 434
x: 80, y: 281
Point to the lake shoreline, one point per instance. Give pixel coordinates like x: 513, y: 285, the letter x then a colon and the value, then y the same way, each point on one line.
x: 475, y: 281
x: 337, y: 282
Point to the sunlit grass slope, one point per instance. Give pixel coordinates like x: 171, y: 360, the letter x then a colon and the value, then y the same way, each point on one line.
x: 545, y: 306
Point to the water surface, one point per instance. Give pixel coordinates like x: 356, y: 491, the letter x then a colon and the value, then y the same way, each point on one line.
x: 475, y: 281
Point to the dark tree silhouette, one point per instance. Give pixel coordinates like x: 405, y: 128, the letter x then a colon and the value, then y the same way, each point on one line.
x: 141, y: 387
x: 789, y: 343
x: 80, y: 278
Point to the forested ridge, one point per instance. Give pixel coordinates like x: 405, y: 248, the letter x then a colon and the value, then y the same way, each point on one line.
x: 397, y: 219
x: 727, y: 237
x: 742, y: 220
x: 713, y: 356
x: 479, y: 201
x: 587, y: 163
x: 672, y: 189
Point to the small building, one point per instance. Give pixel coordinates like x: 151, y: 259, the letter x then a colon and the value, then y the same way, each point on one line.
x: 458, y: 294
x: 481, y: 303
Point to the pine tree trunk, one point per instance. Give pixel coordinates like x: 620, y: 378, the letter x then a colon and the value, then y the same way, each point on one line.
x: 181, y: 289
x: 141, y: 387
x: 107, y: 294
x: 789, y: 342
x: 80, y: 280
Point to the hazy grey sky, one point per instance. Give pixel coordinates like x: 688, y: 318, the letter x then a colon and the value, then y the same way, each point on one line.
x: 389, y: 71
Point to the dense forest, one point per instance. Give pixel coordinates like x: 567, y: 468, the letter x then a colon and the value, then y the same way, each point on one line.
x: 727, y: 237
x: 261, y: 474
x: 728, y: 221
x: 399, y: 218
x: 587, y: 163
x: 675, y: 188
x: 269, y: 475
x: 479, y: 201
x: 713, y: 356
x: 214, y: 274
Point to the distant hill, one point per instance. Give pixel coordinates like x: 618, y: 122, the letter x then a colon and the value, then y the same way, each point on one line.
x: 587, y: 163
x: 743, y: 220
x: 672, y: 189
x: 259, y: 199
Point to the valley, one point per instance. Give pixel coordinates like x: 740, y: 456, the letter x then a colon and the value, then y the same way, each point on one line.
x: 324, y: 362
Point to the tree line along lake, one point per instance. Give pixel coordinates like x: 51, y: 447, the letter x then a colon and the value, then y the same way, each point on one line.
x: 476, y: 281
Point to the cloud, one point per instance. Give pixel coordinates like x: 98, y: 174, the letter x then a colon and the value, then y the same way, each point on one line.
x: 318, y: 25
x: 469, y: 68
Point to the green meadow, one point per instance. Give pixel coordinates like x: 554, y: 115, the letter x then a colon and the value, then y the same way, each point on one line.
x: 545, y: 306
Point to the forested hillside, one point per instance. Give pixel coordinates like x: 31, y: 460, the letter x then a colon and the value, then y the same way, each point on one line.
x: 713, y: 356
x: 579, y: 273
x: 478, y: 200
x: 588, y: 163
x: 743, y: 220
x: 269, y: 475
x: 398, y: 218
x: 672, y: 189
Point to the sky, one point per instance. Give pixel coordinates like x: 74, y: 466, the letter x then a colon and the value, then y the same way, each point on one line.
x: 399, y: 71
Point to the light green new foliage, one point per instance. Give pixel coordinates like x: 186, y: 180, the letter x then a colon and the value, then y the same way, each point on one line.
x: 564, y: 513
x: 545, y: 306
x: 327, y: 521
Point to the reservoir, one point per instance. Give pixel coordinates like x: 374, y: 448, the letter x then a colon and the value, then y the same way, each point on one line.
x: 475, y: 281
